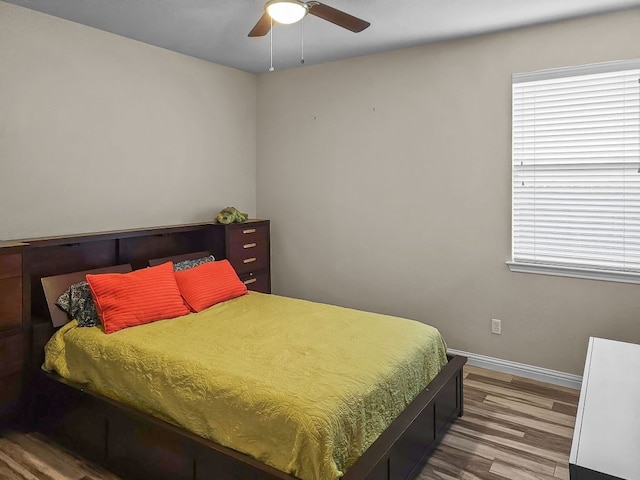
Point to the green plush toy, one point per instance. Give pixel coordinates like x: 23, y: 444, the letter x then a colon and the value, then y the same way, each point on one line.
x: 231, y: 215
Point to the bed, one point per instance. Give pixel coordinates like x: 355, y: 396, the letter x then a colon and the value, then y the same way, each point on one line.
x: 137, y: 441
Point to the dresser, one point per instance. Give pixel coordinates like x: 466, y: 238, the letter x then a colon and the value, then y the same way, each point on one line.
x: 13, y: 336
x: 606, y: 438
x: 247, y: 247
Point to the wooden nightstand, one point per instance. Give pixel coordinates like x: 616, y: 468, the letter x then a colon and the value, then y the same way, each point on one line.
x: 247, y: 247
x: 13, y: 339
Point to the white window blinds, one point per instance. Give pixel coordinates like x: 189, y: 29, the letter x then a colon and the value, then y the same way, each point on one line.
x: 576, y: 167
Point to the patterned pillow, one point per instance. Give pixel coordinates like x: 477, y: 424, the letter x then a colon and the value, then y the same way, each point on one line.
x: 78, y: 303
x: 186, y: 264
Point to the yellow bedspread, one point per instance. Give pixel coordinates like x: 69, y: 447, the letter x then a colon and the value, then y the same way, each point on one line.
x: 301, y: 386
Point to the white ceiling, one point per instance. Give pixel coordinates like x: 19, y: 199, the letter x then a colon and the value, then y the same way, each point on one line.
x: 216, y: 30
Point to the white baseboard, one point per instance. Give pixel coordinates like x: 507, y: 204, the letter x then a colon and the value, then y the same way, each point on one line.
x: 521, y: 369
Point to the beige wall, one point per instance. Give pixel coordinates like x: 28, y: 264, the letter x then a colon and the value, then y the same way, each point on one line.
x: 387, y: 179
x: 99, y: 132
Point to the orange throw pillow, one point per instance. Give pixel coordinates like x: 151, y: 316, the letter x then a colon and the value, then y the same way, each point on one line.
x: 142, y: 296
x: 208, y: 284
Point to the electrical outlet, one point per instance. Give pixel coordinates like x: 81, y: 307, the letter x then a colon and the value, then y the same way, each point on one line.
x: 496, y: 326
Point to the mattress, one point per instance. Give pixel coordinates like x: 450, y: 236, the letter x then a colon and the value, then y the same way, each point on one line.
x: 301, y: 386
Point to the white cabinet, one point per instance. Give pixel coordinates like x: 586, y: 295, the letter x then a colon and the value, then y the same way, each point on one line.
x: 606, y: 440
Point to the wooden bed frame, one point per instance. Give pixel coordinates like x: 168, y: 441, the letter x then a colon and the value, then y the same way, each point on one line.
x: 135, y: 445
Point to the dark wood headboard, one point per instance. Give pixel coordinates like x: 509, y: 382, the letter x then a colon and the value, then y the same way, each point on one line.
x: 46, y: 257
x: 52, y: 256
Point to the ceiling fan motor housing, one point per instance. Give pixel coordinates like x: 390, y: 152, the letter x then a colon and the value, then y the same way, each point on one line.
x: 286, y: 11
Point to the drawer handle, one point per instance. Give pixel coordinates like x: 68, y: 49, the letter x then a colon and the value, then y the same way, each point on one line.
x: 249, y: 260
x: 250, y: 281
x: 249, y: 245
x: 249, y: 230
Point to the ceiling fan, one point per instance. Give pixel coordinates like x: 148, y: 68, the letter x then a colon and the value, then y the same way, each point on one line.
x: 292, y: 11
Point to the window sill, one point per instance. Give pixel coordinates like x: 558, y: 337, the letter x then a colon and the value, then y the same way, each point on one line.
x: 575, y: 272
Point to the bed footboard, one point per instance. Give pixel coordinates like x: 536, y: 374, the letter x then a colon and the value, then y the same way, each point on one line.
x: 402, y: 450
x: 136, y: 445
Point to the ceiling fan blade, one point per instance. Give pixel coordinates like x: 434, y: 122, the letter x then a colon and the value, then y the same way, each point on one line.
x: 337, y: 17
x: 262, y: 27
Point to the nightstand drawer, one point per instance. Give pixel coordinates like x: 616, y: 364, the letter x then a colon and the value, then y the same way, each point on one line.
x: 10, y: 302
x: 252, y: 259
x: 257, y: 282
x: 11, y: 265
x: 12, y: 353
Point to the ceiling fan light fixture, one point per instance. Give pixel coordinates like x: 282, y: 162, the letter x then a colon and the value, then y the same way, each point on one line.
x: 286, y: 11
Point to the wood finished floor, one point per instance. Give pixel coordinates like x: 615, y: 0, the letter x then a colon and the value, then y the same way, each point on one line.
x: 513, y: 428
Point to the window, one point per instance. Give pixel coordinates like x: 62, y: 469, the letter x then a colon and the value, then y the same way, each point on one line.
x: 576, y: 171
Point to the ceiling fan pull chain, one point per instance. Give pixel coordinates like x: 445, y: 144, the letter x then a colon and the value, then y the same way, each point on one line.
x: 271, y: 69
x: 302, y: 42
